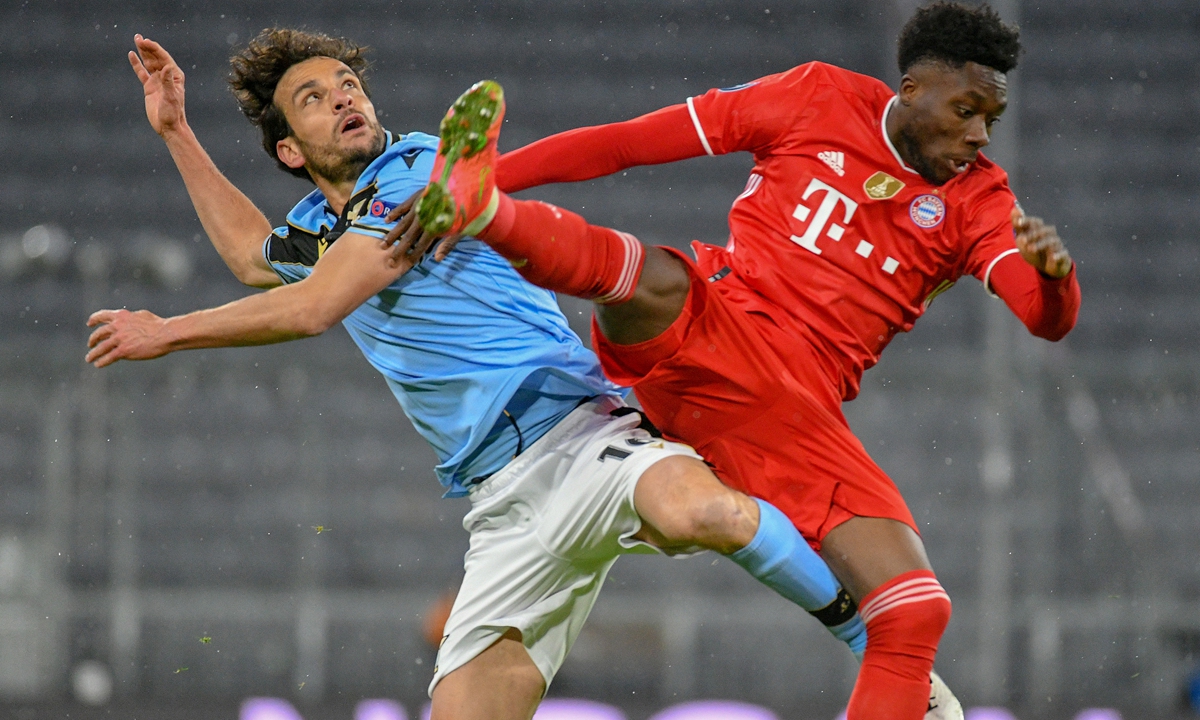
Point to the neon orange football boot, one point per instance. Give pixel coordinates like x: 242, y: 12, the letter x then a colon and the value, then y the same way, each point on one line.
x: 461, y: 198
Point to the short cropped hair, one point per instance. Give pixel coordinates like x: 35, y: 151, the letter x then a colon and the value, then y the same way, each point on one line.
x: 955, y: 34
x: 258, y: 68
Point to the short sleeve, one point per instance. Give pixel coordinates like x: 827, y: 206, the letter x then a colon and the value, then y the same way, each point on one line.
x: 754, y: 116
x: 989, y: 232
x: 405, y: 174
x: 284, y: 257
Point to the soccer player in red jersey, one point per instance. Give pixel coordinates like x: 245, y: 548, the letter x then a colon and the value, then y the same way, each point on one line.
x: 862, y: 205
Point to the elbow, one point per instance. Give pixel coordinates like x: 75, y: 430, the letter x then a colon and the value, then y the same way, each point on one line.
x: 1053, y: 331
x: 311, y: 319
x: 311, y: 324
x: 1052, y: 334
x: 250, y: 276
x: 1056, y: 315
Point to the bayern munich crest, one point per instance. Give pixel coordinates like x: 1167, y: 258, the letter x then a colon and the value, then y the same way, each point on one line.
x: 927, y: 211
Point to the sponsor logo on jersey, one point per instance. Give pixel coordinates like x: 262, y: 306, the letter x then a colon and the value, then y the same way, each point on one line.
x: 835, y: 160
x: 882, y: 186
x: 380, y: 208
x: 927, y: 211
x: 735, y: 88
x: 825, y: 212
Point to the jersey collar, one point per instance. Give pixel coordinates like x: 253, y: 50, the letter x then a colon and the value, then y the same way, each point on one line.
x: 887, y: 140
x: 390, y: 139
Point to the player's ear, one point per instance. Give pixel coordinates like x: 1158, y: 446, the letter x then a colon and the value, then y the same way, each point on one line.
x: 908, y: 89
x: 289, y: 153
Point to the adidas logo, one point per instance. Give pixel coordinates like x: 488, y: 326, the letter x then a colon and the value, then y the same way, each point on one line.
x: 834, y: 160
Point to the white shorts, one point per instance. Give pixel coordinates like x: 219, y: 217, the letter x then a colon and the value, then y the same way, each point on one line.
x: 544, y: 532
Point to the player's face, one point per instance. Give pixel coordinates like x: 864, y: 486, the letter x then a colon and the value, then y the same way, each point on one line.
x: 947, y: 116
x: 334, y: 130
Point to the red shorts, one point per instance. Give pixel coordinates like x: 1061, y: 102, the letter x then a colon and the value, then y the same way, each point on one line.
x: 756, y: 400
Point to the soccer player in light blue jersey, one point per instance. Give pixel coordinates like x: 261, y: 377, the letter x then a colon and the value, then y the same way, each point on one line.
x: 562, y: 476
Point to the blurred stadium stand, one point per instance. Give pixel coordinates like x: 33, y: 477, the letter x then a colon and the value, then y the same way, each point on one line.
x: 150, y: 505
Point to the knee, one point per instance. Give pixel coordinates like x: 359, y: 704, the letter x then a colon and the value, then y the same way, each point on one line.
x: 929, y: 619
x: 941, y: 612
x: 723, y: 521
x: 918, y: 610
x: 683, y: 505
x: 664, y: 278
x: 658, y: 299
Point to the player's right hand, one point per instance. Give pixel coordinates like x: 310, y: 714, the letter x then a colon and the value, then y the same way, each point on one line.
x: 125, y: 335
x: 408, y: 240
x: 162, y: 81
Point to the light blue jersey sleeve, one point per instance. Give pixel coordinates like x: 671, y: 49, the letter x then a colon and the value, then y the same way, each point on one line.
x: 458, y: 341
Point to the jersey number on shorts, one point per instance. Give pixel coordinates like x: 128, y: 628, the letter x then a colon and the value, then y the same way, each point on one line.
x: 612, y: 452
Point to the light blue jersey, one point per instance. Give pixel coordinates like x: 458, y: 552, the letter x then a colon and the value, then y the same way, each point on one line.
x: 460, y: 342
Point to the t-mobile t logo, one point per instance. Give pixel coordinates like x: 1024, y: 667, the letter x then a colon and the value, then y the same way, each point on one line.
x: 824, y: 211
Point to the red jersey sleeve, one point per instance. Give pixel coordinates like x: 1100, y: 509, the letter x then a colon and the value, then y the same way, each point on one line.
x: 662, y: 136
x: 1047, y: 306
x: 754, y: 116
x: 747, y: 117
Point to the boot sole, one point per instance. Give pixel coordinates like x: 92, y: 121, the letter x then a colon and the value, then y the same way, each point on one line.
x: 463, y: 134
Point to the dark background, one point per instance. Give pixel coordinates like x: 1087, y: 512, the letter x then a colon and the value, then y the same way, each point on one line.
x: 147, y: 505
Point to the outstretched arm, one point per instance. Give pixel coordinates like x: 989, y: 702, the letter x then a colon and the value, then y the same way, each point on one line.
x: 354, y: 268
x: 234, y: 225
x: 662, y: 136
x: 1038, y: 282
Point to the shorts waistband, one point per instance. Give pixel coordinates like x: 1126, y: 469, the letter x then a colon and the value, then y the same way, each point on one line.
x: 521, y: 441
x: 487, y: 487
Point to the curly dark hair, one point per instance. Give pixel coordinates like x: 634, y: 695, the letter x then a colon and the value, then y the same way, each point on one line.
x: 258, y: 68
x: 956, y: 34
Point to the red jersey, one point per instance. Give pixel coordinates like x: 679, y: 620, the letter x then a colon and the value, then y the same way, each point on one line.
x: 833, y: 228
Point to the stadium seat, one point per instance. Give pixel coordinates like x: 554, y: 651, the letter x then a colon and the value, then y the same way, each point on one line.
x: 379, y: 709
x: 268, y: 708
x: 1098, y: 714
x: 715, y: 710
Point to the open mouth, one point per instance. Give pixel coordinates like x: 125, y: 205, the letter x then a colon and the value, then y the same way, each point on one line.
x: 960, y: 165
x: 352, y: 123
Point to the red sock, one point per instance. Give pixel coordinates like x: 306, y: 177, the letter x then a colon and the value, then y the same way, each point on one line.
x: 905, y: 619
x: 558, y: 250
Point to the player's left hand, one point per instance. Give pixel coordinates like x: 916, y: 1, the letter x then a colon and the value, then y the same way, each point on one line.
x: 125, y: 335
x: 162, y: 83
x: 408, y: 239
x: 1040, y: 245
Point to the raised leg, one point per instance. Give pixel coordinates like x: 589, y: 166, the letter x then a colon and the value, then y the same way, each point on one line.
x: 638, y: 291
